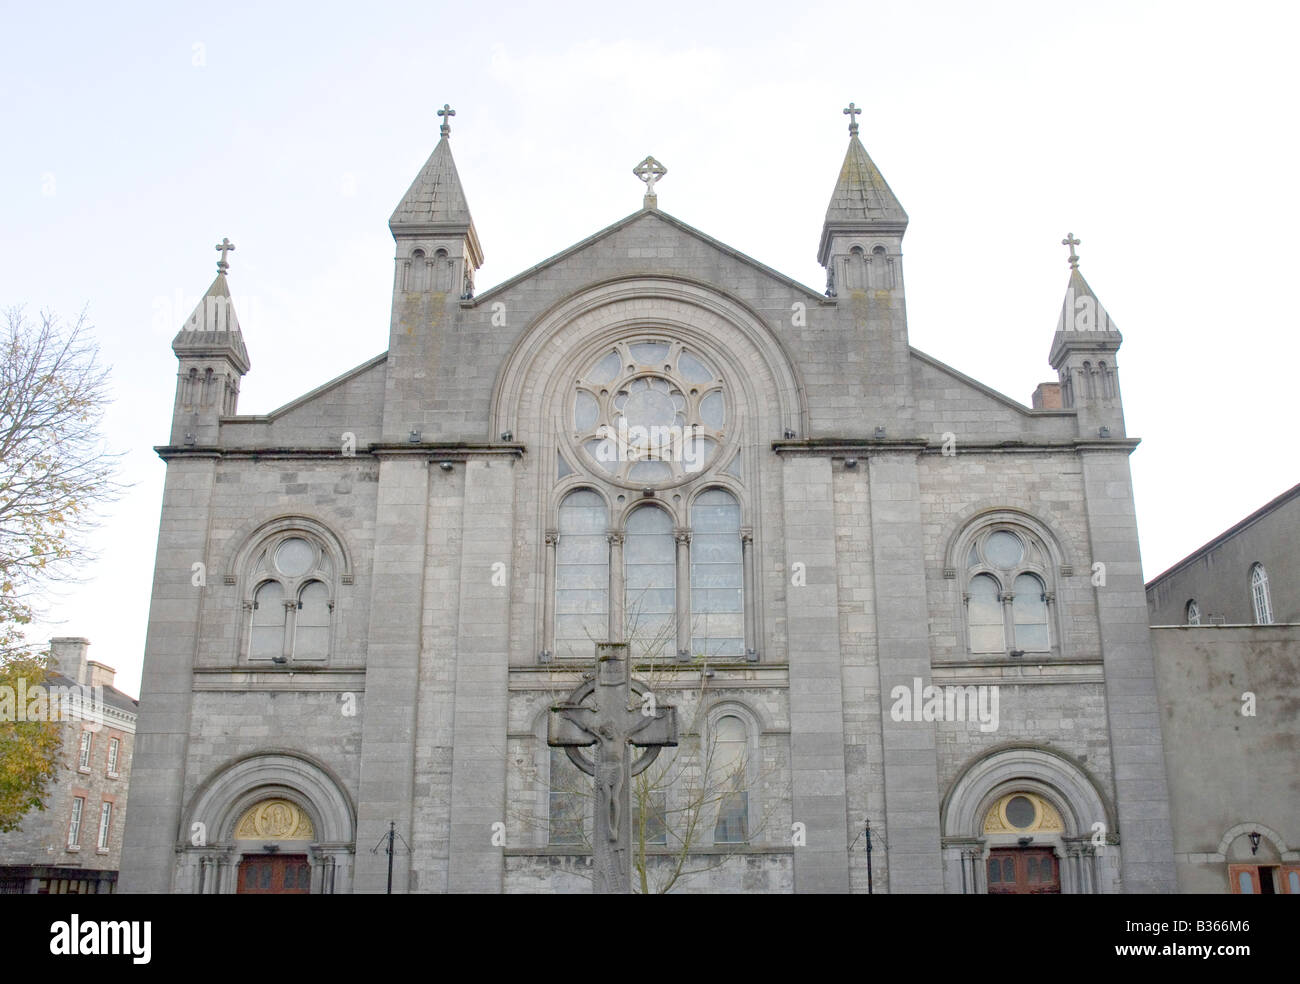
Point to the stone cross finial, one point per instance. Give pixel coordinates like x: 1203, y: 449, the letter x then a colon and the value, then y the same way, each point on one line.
x: 597, y: 713
x: 852, y: 113
x: 1070, y: 241
x: 224, y: 247
x: 446, y: 113
x: 650, y: 171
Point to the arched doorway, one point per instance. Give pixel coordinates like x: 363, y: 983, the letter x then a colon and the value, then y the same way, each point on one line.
x: 1038, y: 815
x: 1031, y: 866
x: 279, y: 810
x: 265, y: 828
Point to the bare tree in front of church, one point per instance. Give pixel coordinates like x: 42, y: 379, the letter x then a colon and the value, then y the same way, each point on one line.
x: 54, y: 472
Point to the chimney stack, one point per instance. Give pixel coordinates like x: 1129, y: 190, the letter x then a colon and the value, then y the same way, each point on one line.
x: 99, y: 675
x: 69, y: 656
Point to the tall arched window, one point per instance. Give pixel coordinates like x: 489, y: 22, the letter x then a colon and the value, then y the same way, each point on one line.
x: 717, y: 576
x: 984, y: 615
x: 650, y: 425
x: 312, y: 622
x: 1009, y: 606
x: 581, y: 575
x: 416, y: 272
x: 269, y: 619
x: 728, y: 770
x: 1029, y: 608
x: 650, y: 583
x: 292, y: 598
x: 1259, y: 595
x: 1193, y: 612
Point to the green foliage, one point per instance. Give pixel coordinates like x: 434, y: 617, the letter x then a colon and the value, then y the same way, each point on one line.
x: 29, y: 750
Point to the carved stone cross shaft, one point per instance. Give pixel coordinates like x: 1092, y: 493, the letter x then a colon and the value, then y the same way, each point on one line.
x: 597, y: 713
x: 446, y: 113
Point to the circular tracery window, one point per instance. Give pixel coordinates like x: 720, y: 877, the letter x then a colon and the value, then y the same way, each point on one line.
x: 649, y: 412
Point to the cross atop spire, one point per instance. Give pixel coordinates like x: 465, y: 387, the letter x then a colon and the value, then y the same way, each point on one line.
x: 650, y: 171
x: 1070, y: 241
x: 446, y: 113
x: 224, y: 247
x: 852, y: 112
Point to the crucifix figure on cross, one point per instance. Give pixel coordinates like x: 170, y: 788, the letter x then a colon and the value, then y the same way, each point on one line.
x: 597, y: 713
x: 224, y: 247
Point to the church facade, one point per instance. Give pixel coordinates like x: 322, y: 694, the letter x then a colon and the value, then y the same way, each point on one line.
x: 875, y: 590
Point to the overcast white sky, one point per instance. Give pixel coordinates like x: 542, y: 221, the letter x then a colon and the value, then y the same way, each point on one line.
x: 1161, y: 134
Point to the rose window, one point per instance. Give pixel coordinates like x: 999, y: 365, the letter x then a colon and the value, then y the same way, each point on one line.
x: 649, y: 412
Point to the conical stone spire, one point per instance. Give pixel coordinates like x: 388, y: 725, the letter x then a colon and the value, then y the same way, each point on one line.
x: 435, y: 204
x: 212, y: 329
x: 436, y: 196
x: 1081, y: 310
x: 862, y: 202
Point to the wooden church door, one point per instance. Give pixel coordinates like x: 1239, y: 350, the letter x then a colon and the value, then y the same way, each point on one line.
x: 274, y: 874
x: 1023, y: 871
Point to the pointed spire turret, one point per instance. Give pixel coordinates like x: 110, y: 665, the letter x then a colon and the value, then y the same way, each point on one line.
x: 1083, y: 355
x: 213, y: 359
x: 862, y: 236
x: 438, y: 246
x: 862, y: 202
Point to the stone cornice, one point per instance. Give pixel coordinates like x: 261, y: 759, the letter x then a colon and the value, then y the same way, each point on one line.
x: 863, y: 448
x: 459, y: 451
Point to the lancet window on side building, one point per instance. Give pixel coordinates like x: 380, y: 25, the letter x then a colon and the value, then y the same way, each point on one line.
x: 648, y: 546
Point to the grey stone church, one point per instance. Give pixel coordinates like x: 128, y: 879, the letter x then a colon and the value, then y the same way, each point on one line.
x: 872, y: 587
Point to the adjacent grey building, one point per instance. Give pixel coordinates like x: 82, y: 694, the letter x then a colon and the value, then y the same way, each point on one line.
x: 1247, y: 575
x: 874, y: 588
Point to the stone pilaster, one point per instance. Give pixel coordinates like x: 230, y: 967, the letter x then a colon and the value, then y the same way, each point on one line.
x: 903, y: 644
x: 478, y: 771
x: 163, y: 728
x: 816, y: 690
x: 392, y: 668
x: 1132, y: 707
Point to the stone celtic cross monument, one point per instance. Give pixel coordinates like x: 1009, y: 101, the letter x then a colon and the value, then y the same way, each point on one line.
x: 598, y: 714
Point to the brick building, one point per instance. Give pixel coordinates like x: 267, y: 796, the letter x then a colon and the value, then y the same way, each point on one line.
x: 800, y: 524
x: 74, y: 845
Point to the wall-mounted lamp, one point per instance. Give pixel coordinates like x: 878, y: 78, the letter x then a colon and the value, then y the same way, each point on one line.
x: 507, y: 435
x: 850, y: 462
x: 1103, y: 431
x: 1254, y: 841
x: 789, y: 434
x: 414, y: 437
x: 445, y: 465
x: 880, y: 433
